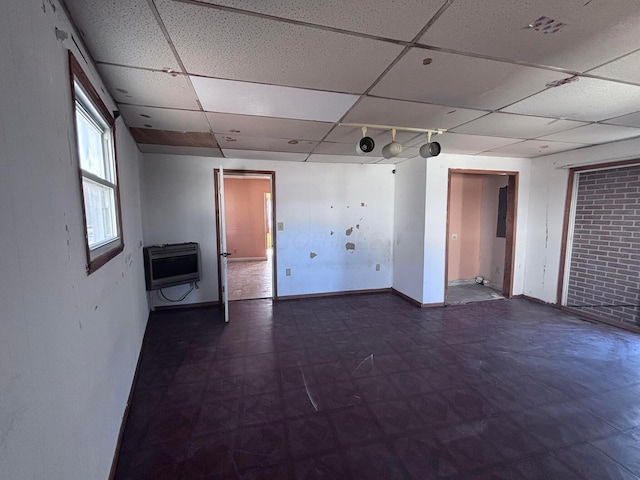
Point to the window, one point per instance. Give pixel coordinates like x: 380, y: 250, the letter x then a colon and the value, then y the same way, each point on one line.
x: 95, y: 137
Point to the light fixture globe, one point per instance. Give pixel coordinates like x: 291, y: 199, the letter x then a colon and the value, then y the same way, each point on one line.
x: 431, y: 149
x: 392, y: 149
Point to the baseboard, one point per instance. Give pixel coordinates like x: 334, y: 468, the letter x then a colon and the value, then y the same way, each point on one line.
x: 125, y: 415
x: 466, y: 281
x: 247, y: 259
x: 416, y: 302
x: 536, y: 300
x: 334, y: 294
x: 597, y: 319
x: 187, y: 305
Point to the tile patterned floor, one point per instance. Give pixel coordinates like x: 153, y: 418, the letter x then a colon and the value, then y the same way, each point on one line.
x: 470, y: 292
x: 250, y: 280
x: 371, y: 387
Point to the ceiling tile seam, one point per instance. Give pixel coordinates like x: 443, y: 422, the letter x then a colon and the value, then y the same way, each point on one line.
x: 614, y: 60
x: 480, y: 56
x: 420, y: 102
x: 174, y: 50
x: 443, y: 8
x: 291, y: 21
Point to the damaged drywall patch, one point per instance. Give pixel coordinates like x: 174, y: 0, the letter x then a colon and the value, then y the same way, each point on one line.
x: 350, y: 246
x: 348, y: 231
x: 313, y: 254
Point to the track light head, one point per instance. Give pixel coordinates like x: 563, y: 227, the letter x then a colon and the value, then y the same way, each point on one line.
x: 365, y: 145
x: 392, y: 149
x: 431, y: 149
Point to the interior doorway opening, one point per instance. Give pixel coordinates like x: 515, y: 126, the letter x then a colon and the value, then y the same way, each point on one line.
x: 250, y: 239
x: 481, y: 211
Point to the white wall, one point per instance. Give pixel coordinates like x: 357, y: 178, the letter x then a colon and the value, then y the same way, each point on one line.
x: 436, y: 216
x: 549, y: 181
x: 409, y: 228
x: 312, y: 200
x: 68, y: 342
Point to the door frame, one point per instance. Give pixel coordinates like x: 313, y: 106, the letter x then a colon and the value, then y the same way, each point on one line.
x: 512, y: 212
x: 249, y: 173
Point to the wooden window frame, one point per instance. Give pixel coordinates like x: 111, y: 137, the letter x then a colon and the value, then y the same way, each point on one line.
x: 103, y: 253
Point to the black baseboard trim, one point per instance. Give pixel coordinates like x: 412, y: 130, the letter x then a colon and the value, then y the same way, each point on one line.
x: 334, y: 294
x: 416, y: 302
x: 187, y: 305
x: 125, y: 415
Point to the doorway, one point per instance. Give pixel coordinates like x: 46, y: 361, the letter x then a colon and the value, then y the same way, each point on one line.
x: 481, y: 210
x: 249, y: 213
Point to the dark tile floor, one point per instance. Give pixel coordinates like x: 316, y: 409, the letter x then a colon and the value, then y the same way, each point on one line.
x: 371, y: 387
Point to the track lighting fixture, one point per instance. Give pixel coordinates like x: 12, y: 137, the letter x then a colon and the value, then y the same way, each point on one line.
x: 430, y: 149
x: 366, y: 144
x: 392, y: 149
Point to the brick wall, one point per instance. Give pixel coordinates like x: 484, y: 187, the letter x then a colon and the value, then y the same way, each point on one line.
x: 605, y: 259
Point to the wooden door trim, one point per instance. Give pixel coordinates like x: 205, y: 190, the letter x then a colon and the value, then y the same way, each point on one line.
x: 512, y: 214
x: 248, y: 173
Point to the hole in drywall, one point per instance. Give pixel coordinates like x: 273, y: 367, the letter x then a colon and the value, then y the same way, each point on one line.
x: 312, y: 255
x: 349, y: 231
x: 427, y: 61
x: 350, y: 246
x: 148, y: 125
x: 233, y: 130
x: 292, y: 142
x: 122, y: 90
x: 170, y: 71
x: 145, y: 115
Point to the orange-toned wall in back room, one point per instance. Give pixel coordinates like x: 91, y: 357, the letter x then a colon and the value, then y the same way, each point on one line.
x: 464, y: 226
x: 245, y: 216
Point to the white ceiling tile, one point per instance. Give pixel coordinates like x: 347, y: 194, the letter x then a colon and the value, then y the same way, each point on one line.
x: 173, y: 150
x: 242, y: 142
x: 319, y: 158
x: 120, y: 32
x: 268, y: 126
x: 532, y: 148
x: 143, y: 87
x: 263, y: 155
x: 594, y: 133
x: 381, y: 111
x: 268, y: 51
x: 588, y: 99
x: 446, y: 80
x: 164, y: 119
x: 404, y: 21
x: 516, y: 126
x: 631, y: 120
x: 595, y: 32
x: 228, y: 96
x: 625, y: 68
x: 470, y: 144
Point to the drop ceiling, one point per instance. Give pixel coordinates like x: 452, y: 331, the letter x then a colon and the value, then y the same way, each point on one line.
x: 274, y: 79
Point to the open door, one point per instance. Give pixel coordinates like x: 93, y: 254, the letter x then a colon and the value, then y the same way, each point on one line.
x: 222, y: 242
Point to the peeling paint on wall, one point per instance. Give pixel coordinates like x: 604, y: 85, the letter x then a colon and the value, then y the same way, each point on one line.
x: 350, y: 246
x: 349, y: 231
x: 313, y: 255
